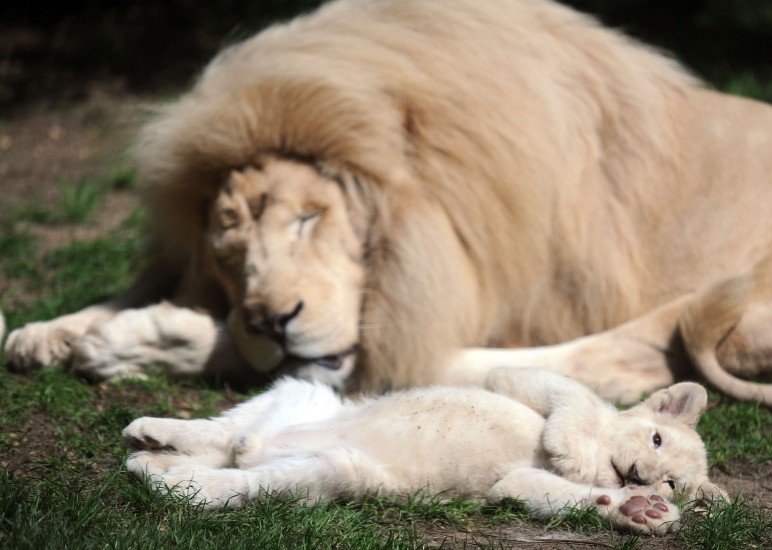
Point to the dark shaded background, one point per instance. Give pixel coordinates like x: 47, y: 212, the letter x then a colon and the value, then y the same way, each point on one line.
x: 53, y: 50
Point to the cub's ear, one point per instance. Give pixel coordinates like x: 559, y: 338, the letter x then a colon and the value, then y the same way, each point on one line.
x: 684, y: 402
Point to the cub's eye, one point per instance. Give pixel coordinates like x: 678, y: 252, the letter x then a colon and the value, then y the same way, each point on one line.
x: 671, y: 483
x: 657, y: 440
x: 228, y: 218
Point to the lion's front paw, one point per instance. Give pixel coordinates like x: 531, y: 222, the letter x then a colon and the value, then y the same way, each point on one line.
x: 96, y: 357
x: 41, y: 344
x: 638, y: 509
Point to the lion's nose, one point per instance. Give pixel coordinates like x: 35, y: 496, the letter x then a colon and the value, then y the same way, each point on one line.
x: 259, y: 318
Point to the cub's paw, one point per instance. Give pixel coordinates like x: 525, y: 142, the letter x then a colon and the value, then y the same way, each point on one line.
x: 149, y: 434
x: 196, y: 484
x: 41, y: 344
x: 638, y: 509
x: 146, y: 464
x: 163, y: 476
x: 208, y: 440
x: 249, y: 451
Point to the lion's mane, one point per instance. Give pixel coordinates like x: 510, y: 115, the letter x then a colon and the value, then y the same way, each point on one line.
x: 496, y: 144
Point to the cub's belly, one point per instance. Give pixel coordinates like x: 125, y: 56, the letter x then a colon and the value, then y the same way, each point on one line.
x: 440, y: 439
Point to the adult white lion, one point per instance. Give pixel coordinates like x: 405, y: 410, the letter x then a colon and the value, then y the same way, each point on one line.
x: 383, y: 184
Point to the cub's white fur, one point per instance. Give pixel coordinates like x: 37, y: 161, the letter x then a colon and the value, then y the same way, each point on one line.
x: 532, y: 435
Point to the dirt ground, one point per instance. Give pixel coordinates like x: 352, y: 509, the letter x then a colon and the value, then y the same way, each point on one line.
x: 45, y: 144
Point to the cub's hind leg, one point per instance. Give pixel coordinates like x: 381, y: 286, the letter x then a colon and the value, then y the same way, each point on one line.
x: 289, y: 402
x: 326, y: 474
x: 180, y: 436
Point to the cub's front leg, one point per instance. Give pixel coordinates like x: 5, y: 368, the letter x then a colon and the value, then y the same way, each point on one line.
x: 631, y: 508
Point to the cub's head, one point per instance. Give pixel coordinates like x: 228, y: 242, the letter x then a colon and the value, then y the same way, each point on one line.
x: 655, y: 443
x: 288, y: 245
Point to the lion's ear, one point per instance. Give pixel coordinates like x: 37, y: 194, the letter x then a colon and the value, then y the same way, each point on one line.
x: 684, y: 402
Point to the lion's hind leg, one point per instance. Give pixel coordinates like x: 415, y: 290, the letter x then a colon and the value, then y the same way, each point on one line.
x: 630, y: 508
x: 620, y: 365
x: 727, y: 333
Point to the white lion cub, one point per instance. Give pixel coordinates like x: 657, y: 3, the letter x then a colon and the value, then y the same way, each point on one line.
x: 531, y: 435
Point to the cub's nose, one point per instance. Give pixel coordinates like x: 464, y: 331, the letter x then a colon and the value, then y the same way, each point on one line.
x: 259, y: 318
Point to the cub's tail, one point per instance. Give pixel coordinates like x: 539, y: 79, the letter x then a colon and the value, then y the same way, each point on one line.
x: 710, y: 318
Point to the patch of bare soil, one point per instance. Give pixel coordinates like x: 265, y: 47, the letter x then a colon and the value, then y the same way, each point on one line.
x: 44, y: 145
x: 516, y: 536
x: 37, y: 441
x: 752, y: 481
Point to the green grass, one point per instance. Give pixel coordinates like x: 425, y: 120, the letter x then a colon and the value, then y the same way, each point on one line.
x: 69, y: 277
x: 737, y: 431
x: 726, y: 527
x: 79, y: 200
x: 76, y: 201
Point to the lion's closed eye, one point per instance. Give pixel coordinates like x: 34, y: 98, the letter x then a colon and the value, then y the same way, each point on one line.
x: 228, y: 218
x: 306, y: 222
